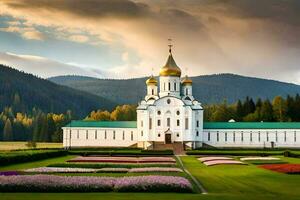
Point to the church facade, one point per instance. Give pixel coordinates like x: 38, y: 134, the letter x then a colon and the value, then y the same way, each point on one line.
x: 169, y: 114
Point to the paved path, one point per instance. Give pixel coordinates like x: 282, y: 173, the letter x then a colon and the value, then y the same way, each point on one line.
x: 199, y: 185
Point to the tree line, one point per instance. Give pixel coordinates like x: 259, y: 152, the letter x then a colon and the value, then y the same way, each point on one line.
x: 278, y: 110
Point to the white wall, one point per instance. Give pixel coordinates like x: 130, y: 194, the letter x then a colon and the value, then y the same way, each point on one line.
x: 95, y: 137
x: 260, y: 138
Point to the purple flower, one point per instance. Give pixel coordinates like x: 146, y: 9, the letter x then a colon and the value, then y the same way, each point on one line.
x: 9, y: 173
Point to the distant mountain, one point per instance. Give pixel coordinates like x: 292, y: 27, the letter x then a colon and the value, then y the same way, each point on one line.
x: 207, y: 89
x: 29, y: 91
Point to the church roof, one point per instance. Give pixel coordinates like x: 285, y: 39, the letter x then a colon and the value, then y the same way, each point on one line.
x: 251, y: 125
x: 107, y: 124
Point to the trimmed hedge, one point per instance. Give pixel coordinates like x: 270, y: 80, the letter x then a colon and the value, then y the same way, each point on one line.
x: 235, y: 152
x: 14, y: 157
x: 108, y: 165
x: 122, y: 152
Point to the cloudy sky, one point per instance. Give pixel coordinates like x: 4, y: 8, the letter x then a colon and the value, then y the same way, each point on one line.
x: 124, y: 39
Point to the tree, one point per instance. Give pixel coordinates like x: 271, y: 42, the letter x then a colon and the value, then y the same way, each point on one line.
x: 279, y: 109
x: 7, y: 131
x: 239, y: 111
x: 266, y: 111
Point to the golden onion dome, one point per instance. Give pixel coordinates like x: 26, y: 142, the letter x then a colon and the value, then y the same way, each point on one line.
x: 170, y: 68
x: 151, y: 81
x: 187, y: 81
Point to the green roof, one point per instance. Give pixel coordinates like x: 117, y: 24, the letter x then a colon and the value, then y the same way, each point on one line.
x: 107, y: 124
x: 251, y: 125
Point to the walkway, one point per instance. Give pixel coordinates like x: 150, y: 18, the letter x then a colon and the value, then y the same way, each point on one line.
x: 198, y: 184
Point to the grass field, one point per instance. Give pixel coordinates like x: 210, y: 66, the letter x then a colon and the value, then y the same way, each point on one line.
x: 222, y: 182
x: 6, y: 146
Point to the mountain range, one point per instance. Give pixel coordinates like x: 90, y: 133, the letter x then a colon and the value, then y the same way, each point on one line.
x: 207, y: 89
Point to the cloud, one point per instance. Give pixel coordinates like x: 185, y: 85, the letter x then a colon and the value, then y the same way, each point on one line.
x: 26, y: 32
x: 46, y: 68
x: 210, y: 36
x: 33, y: 35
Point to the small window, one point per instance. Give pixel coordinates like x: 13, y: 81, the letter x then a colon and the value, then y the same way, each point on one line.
x: 242, y: 134
x: 159, y: 135
x: 142, y: 133
x: 208, y: 136
x: 142, y: 123
x: 285, y: 136
x: 186, y: 91
x: 174, y: 86
x: 267, y: 136
x: 197, y: 123
x: 250, y: 136
x: 105, y: 135
x: 178, y: 122
x: 169, y: 86
x: 168, y: 101
x: 186, y: 123
x: 177, y: 112
x: 276, y: 135
x: 197, y: 133
x: 259, y: 136
x: 218, y: 136
x: 96, y: 135
x: 233, y: 136
x: 86, y: 134
x: 158, y: 122
x: 150, y: 123
x: 123, y: 135
x: 77, y: 134
x: 114, y: 135
x: 152, y: 91
x: 225, y: 136
x: 131, y: 135
x: 168, y: 122
x: 158, y: 112
x: 295, y: 136
x: 177, y: 134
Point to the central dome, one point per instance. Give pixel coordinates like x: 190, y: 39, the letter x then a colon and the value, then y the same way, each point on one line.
x: 170, y: 68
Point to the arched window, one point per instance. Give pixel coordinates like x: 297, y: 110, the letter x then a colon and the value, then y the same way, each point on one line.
x: 174, y: 86
x: 169, y: 86
x: 168, y: 122
x: 152, y: 91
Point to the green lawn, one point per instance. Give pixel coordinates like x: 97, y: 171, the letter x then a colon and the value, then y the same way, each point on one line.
x: 222, y: 182
x: 7, y: 146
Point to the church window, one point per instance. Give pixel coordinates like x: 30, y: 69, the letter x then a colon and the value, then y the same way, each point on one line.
x: 86, y: 135
x: 218, y: 136
x: 77, y: 134
x: 225, y: 136
x: 242, y: 136
x: 142, y: 124
x: 186, y: 123
x: 168, y: 122
x: 96, y: 134
x: 197, y: 123
x: 169, y: 86
x: 178, y: 122
x: 197, y: 133
x: 174, y: 86
x: 186, y: 91
x: 105, y: 135
x: 158, y: 122
x: 152, y: 91
x: 142, y: 133
x: 233, y: 136
x: 177, y: 134
x: 150, y: 123
x: 177, y: 112
x: 208, y: 136
x: 131, y: 135
x: 114, y: 135
x: 284, y: 136
x: 123, y: 135
x: 168, y: 101
x: 159, y: 135
x: 158, y: 112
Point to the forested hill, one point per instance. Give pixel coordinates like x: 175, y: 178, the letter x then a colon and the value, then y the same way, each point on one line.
x: 207, y: 89
x: 23, y: 92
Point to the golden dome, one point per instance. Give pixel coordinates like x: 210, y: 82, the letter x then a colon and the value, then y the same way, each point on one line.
x: 187, y: 81
x: 170, y: 68
x: 151, y: 81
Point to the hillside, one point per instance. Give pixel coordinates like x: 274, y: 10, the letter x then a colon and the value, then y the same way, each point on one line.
x: 208, y: 89
x: 28, y: 91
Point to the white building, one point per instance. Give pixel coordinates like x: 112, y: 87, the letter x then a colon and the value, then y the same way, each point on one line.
x: 169, y: 114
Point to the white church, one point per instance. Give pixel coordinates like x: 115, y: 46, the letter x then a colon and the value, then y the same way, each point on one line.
x: 169, y: 115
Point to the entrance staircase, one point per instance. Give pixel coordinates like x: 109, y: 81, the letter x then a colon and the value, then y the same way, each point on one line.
x: 177, y: 147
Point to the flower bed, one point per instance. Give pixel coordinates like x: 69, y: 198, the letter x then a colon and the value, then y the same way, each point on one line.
x: 210, y: 158
x: 223, y: 162
x: 258, y: 158
x: 61, y: 170
x: 124, y: 159
x: 283, y: 168
x: 9, y: 173
x: 155, y: 169
x: 153, y: 184
x: 113, y: 170
x: 111, y: 165
x: 52, y: 183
